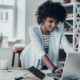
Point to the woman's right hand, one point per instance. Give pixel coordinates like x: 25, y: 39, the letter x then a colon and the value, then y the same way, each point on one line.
x: 58, y: 70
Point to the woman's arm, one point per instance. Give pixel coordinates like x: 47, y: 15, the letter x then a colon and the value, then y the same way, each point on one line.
x: 48, y: 62
x: 50, y: 65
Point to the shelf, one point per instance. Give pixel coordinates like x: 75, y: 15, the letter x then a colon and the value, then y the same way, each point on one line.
x: 68, y: 33
x: 69, y: 15
x: 71, y: 26
x: 61, y: 62
x: 68, y: 4
x: 71, y: 4
x: 72, y: 18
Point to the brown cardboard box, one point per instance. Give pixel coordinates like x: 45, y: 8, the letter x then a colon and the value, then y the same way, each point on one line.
x: 67, y: 1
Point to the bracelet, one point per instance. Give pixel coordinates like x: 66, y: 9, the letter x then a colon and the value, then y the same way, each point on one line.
x: 53, y: 70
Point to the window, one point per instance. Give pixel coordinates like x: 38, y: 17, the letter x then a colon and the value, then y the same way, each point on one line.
x: 4, y: 15
x: 7, y: 12
x: 7, y: 2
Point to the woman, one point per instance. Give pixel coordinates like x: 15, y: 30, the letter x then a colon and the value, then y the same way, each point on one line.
x: 46, y: 37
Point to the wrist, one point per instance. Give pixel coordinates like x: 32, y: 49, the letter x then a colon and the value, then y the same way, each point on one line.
x: 55, y: 67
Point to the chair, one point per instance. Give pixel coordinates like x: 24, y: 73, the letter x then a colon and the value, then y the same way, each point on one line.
x: 17, y: 49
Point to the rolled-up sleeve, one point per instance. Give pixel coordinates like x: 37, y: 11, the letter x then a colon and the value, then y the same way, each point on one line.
x: 36, y: 44
x: 65, y: 45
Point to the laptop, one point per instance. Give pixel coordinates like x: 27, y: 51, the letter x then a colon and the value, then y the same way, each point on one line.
x: 71, y: 69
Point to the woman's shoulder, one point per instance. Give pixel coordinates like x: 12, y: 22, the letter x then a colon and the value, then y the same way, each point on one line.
x: 34, y: 27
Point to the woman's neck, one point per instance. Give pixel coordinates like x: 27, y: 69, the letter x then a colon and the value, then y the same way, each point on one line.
x: 44, y: 31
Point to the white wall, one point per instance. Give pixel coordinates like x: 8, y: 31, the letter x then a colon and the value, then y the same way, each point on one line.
x: 21, y: 18
x: 31, y: 7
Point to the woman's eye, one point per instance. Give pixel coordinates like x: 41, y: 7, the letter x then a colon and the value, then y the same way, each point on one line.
x: 51, y: 21
x: 57, y: 22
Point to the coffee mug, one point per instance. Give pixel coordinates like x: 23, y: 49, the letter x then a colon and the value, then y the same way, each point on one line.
x: 4, y: 64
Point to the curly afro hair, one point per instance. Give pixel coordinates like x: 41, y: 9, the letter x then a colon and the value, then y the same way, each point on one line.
x: 51, y: 9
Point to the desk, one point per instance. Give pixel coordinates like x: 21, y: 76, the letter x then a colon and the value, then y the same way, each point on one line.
x: 11, y: 74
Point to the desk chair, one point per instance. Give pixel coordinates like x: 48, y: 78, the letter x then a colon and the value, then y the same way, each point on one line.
x: 17, y: 51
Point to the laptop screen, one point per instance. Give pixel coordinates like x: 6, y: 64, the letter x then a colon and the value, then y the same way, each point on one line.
x: 72, y: 67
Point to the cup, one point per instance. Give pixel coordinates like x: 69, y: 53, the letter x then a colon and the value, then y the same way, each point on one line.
x: 4, y: 64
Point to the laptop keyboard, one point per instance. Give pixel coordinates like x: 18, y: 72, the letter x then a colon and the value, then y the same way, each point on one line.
x: 55, y: 75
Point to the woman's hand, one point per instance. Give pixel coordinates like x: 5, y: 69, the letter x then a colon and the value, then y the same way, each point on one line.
x: 58, y: 70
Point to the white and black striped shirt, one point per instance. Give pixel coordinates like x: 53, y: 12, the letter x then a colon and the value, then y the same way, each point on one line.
x: 46, y: 39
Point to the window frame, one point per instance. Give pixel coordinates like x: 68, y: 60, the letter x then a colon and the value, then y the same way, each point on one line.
x: 14, y: 8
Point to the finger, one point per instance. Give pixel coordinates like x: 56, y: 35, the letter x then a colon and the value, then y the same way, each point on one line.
x: 58, y: 71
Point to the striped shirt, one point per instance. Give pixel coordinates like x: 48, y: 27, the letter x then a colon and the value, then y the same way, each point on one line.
x: 46, y: 39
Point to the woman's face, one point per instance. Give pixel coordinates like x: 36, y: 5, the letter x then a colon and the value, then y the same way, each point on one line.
x: 50, y: 24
